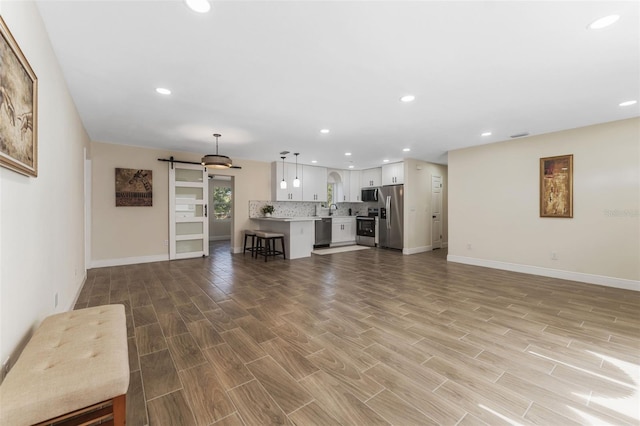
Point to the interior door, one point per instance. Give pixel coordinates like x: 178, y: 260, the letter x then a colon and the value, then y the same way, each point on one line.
x: 436, y: 211
x: 188, y: 222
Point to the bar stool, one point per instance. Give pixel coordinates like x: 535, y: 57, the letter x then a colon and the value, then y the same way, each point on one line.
x: 249, y: 233
x: 266, y: 245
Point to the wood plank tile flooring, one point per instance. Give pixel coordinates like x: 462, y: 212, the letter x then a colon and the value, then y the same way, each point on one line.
x: 370, y: 337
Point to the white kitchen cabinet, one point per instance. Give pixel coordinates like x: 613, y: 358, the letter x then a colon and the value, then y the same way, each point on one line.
x: 371, y: 177
x: 314, y: 183
x: 393, y: 174
x: 344, y: 194
x: 291, y: 193
x: 343, y: 230
x: 355, y: 194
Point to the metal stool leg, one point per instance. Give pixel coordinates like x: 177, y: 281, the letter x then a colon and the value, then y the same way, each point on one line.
x: 283, y: 251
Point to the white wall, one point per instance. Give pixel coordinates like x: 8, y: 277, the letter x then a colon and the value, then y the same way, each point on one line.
x: 417, y: 205
x: 41, y: 219
x: 124, y: 235
x: 494, y: 206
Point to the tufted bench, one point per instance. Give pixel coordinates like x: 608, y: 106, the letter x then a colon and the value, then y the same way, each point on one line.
x: 75, y: 365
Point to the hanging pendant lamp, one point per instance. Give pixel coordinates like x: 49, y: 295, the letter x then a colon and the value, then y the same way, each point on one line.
x: 217, y: 161
x: 283, y: 183
x: 296, y: 181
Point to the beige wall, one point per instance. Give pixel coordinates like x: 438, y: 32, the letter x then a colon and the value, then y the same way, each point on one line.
x: 41, y: 219
x: 122, y: 235
x: 417, y: 204
x: 494, y: 206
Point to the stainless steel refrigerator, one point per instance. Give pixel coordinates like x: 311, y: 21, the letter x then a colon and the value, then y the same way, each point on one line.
x: 391, y: 225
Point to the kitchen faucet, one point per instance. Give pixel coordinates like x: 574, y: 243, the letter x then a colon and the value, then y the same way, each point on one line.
x: 334, y: 205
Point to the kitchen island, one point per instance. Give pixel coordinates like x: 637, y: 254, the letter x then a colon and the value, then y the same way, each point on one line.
x: 299, y: 233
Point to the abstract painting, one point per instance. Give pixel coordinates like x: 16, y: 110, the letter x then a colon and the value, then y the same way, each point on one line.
x: 134, y: 188
x: 556, y: 186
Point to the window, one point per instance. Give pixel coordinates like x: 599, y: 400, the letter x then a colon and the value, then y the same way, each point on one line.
x: 330, y: 191
x: 221, y: 203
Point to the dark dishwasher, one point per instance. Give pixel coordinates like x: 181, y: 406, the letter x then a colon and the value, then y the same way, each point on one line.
x: 323, y: 232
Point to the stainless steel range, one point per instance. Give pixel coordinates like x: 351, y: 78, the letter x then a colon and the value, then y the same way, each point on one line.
x: 367, y: 228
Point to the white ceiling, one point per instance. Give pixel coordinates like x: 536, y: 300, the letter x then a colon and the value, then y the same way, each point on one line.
x: 268, y: 75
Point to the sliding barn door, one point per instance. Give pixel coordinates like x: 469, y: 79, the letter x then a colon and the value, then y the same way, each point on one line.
x: 188, y: 222
x: 436, y: 212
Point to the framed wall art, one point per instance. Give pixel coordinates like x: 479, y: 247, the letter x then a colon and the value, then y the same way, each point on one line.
x: 134, y: 188
x: 18, y: 108
x: 556, y: 186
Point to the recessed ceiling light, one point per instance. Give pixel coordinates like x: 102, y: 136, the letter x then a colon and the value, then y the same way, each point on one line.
x: 347, y: 154
x: 408, y: 98
x: 351, y: 166
x: 628, y: 103
x: 407, y: 149
x: 163, y: 91
x: 325, y: 131
x: 385, y: 161
x: 314, y: 161
x: 200, y: 6
x: 601, y: 23
x: 486, y: 134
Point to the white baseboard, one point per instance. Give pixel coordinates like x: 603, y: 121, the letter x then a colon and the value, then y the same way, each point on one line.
x: 547, y: 272
x: 422, y: 249
x: 78, y: 291
x: 128, y: 260
x: 417, y: 250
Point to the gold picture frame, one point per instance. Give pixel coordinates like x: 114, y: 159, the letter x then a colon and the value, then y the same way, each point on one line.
x: 18, y: 108
x: 556, y: 186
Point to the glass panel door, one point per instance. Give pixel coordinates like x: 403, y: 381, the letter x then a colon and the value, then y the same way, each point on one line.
x: 188, y: 222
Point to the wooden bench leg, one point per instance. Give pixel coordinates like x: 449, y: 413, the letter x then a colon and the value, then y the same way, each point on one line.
x: 120, y: 410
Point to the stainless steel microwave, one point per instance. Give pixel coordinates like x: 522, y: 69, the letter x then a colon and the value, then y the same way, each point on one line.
x: 370, y: 194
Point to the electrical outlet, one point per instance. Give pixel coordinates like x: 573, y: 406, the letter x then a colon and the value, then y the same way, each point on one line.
x: 55, y: 301
x: 166, y: 243
x: 468, y: 246
x: 554, y: 255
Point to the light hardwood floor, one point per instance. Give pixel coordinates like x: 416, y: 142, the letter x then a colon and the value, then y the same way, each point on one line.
x: 370, y: 337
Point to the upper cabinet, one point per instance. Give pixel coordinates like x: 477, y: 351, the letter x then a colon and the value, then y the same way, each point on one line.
x: 290, y: 193
x: 393, y: 174
x: 355, y: 195
x: 371, y: 178
x: 314, y: 183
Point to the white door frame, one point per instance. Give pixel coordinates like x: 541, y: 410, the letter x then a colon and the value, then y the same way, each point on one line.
x: 87, y: 212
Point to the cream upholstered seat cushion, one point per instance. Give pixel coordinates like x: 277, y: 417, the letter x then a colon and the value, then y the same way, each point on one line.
x: 73, y: 360
x: 268, y: 234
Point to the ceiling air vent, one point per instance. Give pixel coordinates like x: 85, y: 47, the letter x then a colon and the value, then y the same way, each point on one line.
x: 519, y: 135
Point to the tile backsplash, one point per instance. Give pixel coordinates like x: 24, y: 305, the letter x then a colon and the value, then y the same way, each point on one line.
x: 305, y: 209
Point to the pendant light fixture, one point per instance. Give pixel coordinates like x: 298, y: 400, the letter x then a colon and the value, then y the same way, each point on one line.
x: 283, y: 183
x: 296, y: 181
x: 216, y: 161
